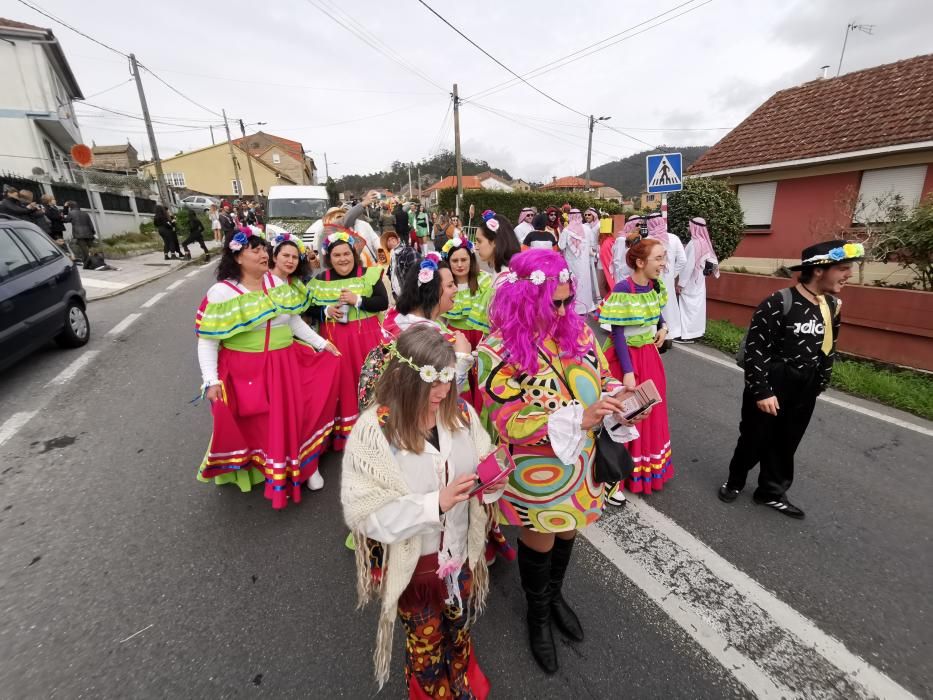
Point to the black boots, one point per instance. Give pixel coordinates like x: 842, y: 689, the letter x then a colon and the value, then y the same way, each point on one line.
x: 535, y: 571
x: 565, y: 618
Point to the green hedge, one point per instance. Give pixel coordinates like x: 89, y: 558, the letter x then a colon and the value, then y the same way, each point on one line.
x: 715, y: 201
x: 510, y: 204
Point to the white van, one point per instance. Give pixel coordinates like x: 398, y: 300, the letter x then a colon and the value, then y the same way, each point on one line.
x: 293, y: 208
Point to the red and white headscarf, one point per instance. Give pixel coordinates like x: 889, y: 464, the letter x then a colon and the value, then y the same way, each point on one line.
x: 576, y: 231
x: 527, y: 214
x: 657, y: 227
x: 702, y: 245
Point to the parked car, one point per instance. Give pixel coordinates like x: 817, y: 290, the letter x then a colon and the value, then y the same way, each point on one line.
x: 199, y: 203
x: 41, y: 295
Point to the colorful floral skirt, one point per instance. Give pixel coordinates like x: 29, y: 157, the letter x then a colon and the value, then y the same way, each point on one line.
x: 354, y: 340
x: 274, y: 422
x: 651, y: 452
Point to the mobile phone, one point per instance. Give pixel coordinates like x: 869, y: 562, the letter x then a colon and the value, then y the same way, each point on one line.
x: 637, y: 412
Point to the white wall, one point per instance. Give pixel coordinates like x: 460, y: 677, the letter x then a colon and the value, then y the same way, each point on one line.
x: 493, y: 184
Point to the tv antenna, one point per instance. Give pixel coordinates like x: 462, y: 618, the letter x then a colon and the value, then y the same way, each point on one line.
x: 852, y: 27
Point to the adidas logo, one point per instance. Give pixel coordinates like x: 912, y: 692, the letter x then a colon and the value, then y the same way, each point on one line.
x: 811, y: 327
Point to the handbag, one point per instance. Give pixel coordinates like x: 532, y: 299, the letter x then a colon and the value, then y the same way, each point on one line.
x: 611, y: 461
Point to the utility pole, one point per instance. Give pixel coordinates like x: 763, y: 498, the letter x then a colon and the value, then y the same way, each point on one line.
x: 457, y: 158
x: 589, y: 147
x: 160, y: 176
x: 236, y: 168
x: 211, y: 127
x: 249, y: 161
x: 411, y: 192
x: 419, y: 184
x: 326, y: 167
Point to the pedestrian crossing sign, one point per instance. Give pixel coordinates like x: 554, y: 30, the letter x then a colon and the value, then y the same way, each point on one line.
x: 665, y: 172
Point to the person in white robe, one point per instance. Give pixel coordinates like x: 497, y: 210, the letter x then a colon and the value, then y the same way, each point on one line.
x: 676, y: 261
x: 701, y: 262
x: 524, y: 225
x: 578, y: 247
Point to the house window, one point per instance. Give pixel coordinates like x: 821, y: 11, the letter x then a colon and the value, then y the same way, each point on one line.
x: 885, y: 187
x: 757, y: 202
x: 175, y: 179
x: 276, y: 158
x: 52, y: 159
x: 235, y: 184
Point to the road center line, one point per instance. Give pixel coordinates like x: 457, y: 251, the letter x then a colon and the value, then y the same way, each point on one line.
x: 175, y: 284
x: 193, y: 272
x: 823, y: 397
x: 123, y: 325
x: 71, y: 370
x: 12, y: 424
x: 153, y: 301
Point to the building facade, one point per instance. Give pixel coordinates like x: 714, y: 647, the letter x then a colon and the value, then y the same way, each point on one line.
x: 282, y: 155
x: 121, y: 158
x: 570, y: 184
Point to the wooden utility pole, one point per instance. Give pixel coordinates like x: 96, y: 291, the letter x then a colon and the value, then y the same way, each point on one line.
x: 589, y: 154
x: 249, y: 161
x: 160, y: 176
x: 236, y: 168
x: 457, y: 158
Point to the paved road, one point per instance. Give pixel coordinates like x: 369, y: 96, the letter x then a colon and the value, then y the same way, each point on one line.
x: 107, y: 535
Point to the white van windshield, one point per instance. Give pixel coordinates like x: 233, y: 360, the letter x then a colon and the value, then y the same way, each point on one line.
x: 296, y: 208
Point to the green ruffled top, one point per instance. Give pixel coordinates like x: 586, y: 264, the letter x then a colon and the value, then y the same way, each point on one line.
x: 624, y: 308
x: 325, y: 292
x: 249, y: 310
x: 464, y: 302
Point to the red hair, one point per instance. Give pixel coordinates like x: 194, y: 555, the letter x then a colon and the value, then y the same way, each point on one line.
x: 640, y: 251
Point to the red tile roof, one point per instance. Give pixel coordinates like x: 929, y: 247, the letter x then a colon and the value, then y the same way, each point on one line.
x: 470, y: 182
x: 568, y: 183
x: 12, y: 24
x: 883, y: 106
x: 292, y: 147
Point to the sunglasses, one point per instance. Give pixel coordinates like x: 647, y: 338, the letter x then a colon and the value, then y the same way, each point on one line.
x: 567, y: 303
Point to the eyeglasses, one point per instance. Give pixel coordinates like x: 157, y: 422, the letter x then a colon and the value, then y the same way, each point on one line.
x: 567, y: 303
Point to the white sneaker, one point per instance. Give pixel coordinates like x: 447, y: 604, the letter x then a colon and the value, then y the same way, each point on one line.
x: 617, y: 498
x: 316, y: 481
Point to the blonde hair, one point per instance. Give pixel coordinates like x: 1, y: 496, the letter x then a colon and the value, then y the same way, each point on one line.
x: 406, y: 395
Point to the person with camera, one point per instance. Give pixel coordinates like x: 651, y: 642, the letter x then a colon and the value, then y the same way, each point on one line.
x: 701, y: 262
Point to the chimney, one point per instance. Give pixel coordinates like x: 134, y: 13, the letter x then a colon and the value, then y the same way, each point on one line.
x: 825, y: 70
x: 553, y: 178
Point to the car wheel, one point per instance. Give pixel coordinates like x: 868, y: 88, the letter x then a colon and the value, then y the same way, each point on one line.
x: 77, y: 329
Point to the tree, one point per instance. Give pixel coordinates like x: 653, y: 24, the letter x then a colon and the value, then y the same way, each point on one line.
x: 909, y: 243
x: 716, y: 202
x: 332, y: 193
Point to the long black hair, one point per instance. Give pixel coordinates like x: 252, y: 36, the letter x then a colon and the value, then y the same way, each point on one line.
x: 504, y: 239
x: 303, y: 271
x: 422, y: 297
x: 228, y: 268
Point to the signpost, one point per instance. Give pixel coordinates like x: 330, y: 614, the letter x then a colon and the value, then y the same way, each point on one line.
x: 664, y: 173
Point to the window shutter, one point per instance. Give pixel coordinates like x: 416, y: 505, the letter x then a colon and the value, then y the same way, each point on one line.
x: 757, y: 202
x: 879, y: 187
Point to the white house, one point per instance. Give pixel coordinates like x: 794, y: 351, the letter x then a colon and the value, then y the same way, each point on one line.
x: 37, y: 120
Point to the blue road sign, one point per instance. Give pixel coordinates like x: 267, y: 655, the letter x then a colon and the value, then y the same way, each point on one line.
x: 665, y: 172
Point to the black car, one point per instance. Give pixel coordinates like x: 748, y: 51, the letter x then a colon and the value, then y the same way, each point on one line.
x: 41, y: 296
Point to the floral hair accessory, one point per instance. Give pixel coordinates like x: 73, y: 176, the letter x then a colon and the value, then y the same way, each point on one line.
x: 489, y: 219
x: 427, y: 269
x: 428, y: 373
x: 338, y: 237
x: 849, y: 251
x: 288, y: 238
x: 239, y: 240
x: 537, y: 277
x: 456, y: 242
x: 512, y: 277
x: 564, y: 276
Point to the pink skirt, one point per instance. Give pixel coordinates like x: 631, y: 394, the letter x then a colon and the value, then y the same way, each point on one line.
x: 651, y: 451
x: 276, y: 418
x: 354, y: 340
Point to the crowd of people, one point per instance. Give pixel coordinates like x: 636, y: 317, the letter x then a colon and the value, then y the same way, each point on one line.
x: 417, y: 350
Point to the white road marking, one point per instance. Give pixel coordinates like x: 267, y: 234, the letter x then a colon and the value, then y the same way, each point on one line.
x: 175, y: 284
x: 153, y: 301
x: 193, y: 272
x: 823, y: 397
x: 71, y: 370
x: 135, y: 633
x: 691, y: 582
x: 123, y: 325
x: 102, y: 284
x: 12, y: 424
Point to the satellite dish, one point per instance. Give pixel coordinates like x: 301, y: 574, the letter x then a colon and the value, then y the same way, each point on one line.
x: 82, y: 155
x: 38, y: 171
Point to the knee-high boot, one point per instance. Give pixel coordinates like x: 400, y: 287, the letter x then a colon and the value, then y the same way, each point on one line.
x: 535, y: 571
x: 563, y: 615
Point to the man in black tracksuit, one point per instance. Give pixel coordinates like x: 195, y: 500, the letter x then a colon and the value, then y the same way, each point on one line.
x: 789, y: 355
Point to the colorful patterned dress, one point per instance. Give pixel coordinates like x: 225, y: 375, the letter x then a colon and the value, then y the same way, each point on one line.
x: 636, y: 312
x: 544, y: 494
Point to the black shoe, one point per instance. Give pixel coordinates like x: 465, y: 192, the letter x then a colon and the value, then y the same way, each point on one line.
x: 782, y: 506
x: 534, y: 569
x: 727, y: 495
x: 561, y: 612
x: 167, y: 257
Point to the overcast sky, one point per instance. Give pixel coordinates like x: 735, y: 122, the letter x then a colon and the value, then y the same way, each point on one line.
x: 287, y: 63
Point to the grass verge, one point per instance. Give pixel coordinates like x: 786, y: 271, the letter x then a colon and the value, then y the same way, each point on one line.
x: 905, y: 389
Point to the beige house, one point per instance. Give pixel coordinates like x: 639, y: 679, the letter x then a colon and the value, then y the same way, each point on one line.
x: 282, y: 155
x: 210, y: 171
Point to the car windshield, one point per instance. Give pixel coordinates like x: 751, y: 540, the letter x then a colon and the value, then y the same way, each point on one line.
x: 296, y: 208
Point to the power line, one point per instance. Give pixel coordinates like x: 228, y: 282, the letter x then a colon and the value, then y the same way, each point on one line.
x: 352, y: 121
x: 140, y: 117
x: 68, y: 26
x: 178, y: 92
x: 113, y: 87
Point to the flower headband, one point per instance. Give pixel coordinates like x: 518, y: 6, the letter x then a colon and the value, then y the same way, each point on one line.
x: 489, y: 219
x: 427, y: 268
x: 456, y: 243
x: 288, y: 238
x: 240, y: 239
x: 846, y: 252
x: 428, y: 373
x: 538, y: 277
x: 338, y: 237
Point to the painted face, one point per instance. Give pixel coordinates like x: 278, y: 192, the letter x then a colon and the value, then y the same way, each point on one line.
x: 286, y: 261
x: 656, y: 262
x: 562, y: 299
x: 485, y: 249
x: 254, y: 261
x: 341, y: 258
x: 460, y: 264
x: 834, y: 278
x: 448, y: 291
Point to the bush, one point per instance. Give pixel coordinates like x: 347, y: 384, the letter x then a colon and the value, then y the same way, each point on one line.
x: 909, y: 243
x: 510, y: 204
x: 716, y: 202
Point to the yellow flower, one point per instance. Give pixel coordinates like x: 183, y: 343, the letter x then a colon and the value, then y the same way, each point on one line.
x: 852, y: 250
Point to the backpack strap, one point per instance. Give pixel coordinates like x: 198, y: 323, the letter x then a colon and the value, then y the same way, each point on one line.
x: 787, y: 300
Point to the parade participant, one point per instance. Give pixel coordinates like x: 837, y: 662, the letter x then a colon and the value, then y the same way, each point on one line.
x: 633, y: 311
x: 789, y: 354
x: 701, y: 262
x: 607, y: 239
x: 591, y: 221
x: 539, y: 237
x: 270, y: 422
x: 524, y: 225
x: 213, y: 213
x: 289, y: 259
x: 545, y: 382
x: 495, y: 246
x: 631, y: 234
x: 346, y: 299
x: 389, y: 242
x: 227, y: 221
x: 421, y: 225
x: 195, y: 235
x: 410, y: 466
x: 555, y: 221
x: 676, y: 260
x: 578, y: 245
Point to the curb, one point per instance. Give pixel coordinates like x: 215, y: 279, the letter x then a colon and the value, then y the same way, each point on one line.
x: 137, y: 285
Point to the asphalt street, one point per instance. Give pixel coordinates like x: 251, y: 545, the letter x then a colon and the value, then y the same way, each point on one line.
x: 122, y: 576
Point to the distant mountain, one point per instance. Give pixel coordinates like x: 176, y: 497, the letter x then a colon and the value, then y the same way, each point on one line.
x: 628, y: 175
x: 432, y: 170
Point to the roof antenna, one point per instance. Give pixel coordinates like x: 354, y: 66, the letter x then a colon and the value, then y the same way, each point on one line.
x: 850, y: 27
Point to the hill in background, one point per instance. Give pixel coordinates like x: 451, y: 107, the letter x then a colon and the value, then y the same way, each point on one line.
x: 432, y: 170
x: 628, y: 175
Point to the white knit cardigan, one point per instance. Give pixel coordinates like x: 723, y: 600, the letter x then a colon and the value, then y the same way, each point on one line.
x: 371, y: 479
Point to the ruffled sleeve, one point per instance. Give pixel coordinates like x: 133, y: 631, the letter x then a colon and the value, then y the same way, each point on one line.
x: 220, y: 318
x: 478, y: 317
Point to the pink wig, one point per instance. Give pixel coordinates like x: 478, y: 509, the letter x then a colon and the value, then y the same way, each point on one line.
x: 634, y: 221
x: 523, y: 312
x: 657, y: 225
